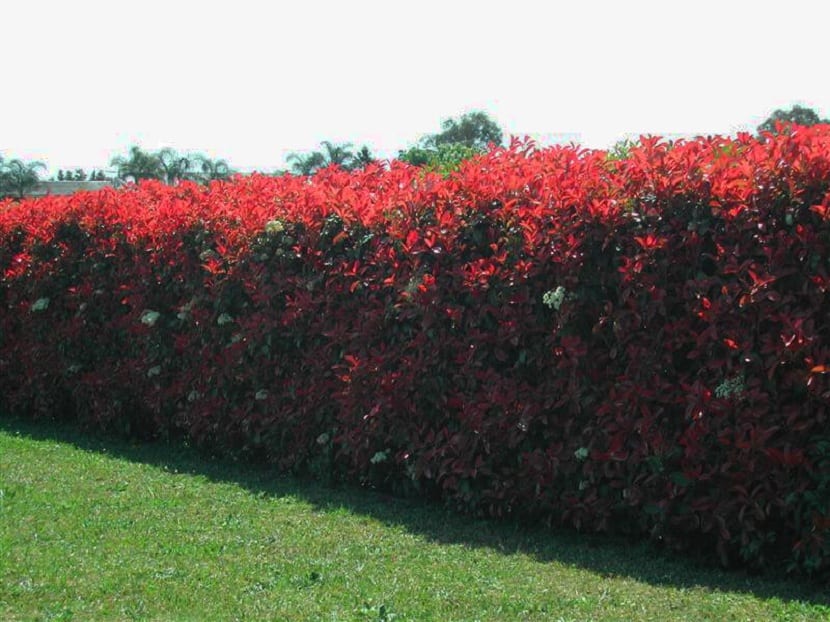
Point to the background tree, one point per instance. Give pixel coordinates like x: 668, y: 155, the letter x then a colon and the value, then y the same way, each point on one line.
x: 443, y: 159
x: 209, y: 170
x: 416, y: 156
x: 460, y: 139
x: 138, y: 165
x: 18, y: 177
x: 341, y: 155
x: 797, y: 114
x: 473, y: 129
x: 169, y: 166
x: 175, y: 166
x: 362, y: 158
x: 332, y: 153
x: 306, y: 164
x: 80, y: 175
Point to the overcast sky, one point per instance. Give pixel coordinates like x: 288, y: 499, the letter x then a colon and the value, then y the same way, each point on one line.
x: 253, y: 81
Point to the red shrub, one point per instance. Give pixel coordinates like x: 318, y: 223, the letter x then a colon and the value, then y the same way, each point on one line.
x: 637, y: 345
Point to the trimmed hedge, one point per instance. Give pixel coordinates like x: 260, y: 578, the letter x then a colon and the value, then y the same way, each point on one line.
x: 636, y: 345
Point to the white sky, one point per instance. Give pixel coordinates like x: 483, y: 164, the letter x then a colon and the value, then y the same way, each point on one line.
x: 253, y: 81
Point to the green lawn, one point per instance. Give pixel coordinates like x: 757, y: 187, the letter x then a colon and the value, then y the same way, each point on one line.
x: 94, y: 529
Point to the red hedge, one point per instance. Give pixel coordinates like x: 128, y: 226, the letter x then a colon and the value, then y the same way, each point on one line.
x: 638, y: 345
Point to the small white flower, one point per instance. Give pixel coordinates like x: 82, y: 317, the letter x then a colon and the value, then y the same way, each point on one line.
x: 224, y: 319
x: 153, y: 371
x: 149, y: 317
x: 554, y: 298
x: 41, y: 304
x: 262, y: 394
x: 274, y: 226
x: 379, y: 457
x: 581, y: 453
x: 323, y: 439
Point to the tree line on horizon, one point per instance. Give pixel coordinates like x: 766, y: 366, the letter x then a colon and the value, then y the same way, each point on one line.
x: 459, y: 139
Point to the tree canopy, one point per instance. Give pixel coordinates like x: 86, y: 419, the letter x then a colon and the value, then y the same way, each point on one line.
x: 459, y: 140
x: 473, y: 129
x: 210, y: 170
x: 442, y: 159
x: 169, y: 166
x: 138, y: 165
x: 18, y: 177
x: 800, y: 115
x: 79, y: 174
x: 331, y: 154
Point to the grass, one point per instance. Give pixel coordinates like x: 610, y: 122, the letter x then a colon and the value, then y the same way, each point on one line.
x: 92, y: 528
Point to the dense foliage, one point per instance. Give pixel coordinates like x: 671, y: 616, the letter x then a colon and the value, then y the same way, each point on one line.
x: 443, y: 159
x: 636, y: 344
x: 461, y: 139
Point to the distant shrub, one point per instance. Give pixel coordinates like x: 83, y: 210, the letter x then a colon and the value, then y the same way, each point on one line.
x: 442, y: 159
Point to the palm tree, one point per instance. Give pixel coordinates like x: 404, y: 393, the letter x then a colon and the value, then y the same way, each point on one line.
x: 306, y: 164
x: 176, y: 166
x: 210, y: 170
x: 18, y: 177
x: 363, y: 158
x: 341, y: 155
x: 138, y: 165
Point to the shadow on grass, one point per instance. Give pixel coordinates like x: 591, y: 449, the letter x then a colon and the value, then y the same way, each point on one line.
x: 605, y: 555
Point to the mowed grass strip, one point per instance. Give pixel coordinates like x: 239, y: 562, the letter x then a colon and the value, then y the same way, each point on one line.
x: 93, y: 528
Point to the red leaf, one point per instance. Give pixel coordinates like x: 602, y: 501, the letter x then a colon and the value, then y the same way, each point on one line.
x: 650, y: 241
x: 412, y: 238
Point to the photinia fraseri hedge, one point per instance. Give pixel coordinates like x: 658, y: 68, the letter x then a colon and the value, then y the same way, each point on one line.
x: 637, y: 345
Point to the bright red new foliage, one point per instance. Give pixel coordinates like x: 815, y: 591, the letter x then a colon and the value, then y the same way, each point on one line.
x: 638, y: 345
